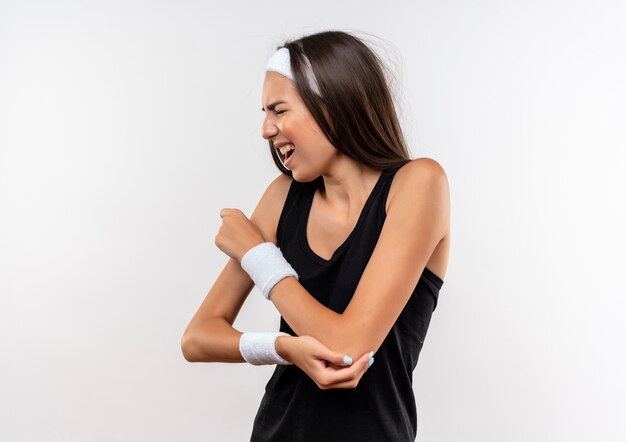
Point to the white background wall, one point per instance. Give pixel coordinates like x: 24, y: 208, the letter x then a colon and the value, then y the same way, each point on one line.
x: 125, y: 126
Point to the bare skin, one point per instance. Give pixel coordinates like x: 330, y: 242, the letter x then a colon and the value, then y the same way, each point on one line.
x: 409, y: 242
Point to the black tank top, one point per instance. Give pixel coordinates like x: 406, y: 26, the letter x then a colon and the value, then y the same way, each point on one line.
x: 382, y: 407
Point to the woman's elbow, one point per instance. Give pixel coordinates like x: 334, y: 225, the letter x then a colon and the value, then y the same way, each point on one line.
x: 357, y: 342
x: 195, y: 348
x: 187, y: 347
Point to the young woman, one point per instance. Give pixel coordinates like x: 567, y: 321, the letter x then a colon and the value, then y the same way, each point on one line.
x: 350, y: 243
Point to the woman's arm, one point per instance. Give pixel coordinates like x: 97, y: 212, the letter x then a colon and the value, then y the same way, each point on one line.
x: 210, y: 337
x: 417, y: 220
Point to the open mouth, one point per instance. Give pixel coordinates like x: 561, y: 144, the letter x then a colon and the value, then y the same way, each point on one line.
x: 284, y: 152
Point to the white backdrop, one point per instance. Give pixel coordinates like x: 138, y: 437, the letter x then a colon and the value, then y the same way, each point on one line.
x: 125, y: 126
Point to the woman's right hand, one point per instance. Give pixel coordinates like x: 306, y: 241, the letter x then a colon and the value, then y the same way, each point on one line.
x: 324, y: 366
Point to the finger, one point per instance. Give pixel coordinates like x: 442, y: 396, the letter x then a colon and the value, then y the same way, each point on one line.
x: 363, y: 363
x: 335, y: 366
x: 367, y: 360
x: 335, y: 358
x: 370, y: 361
x: 348, y: 373
x: 352, y: 383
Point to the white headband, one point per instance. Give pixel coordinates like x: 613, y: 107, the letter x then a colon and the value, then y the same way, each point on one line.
x: 281, y: 63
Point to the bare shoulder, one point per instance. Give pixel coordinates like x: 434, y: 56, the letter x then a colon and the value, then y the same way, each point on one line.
x: 421, y: 169
x: 416, y: 175
x: 420, y: 195
x: 269, y: 207
x: 282, y: 182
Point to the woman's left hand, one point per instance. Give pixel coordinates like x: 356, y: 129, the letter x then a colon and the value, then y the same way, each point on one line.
x: 237, y: 234
x: 325, y: 367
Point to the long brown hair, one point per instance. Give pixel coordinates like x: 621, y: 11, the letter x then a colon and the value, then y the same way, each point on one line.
x: 356, y: 110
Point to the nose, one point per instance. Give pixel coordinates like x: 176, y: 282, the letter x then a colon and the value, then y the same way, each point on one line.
x: 269, y: 129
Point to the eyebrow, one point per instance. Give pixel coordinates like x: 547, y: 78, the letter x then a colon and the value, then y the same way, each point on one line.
x: 271, y: 106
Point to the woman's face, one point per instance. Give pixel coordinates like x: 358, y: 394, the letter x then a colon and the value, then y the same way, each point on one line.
x: 287, y: 120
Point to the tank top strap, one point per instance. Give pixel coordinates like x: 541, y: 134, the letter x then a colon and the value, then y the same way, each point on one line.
x: 288, y: 220
x: 295, y: 212
x: 380, y: 190
x: 388, y: 176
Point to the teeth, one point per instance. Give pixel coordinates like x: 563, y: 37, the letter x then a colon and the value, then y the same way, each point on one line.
x: 286, y: 148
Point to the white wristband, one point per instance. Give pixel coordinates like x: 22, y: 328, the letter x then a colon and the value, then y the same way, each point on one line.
x: 266, y: 265
x: 259, y: 348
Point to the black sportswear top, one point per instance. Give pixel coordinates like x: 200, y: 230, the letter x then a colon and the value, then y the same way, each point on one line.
x: 382, y: 407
